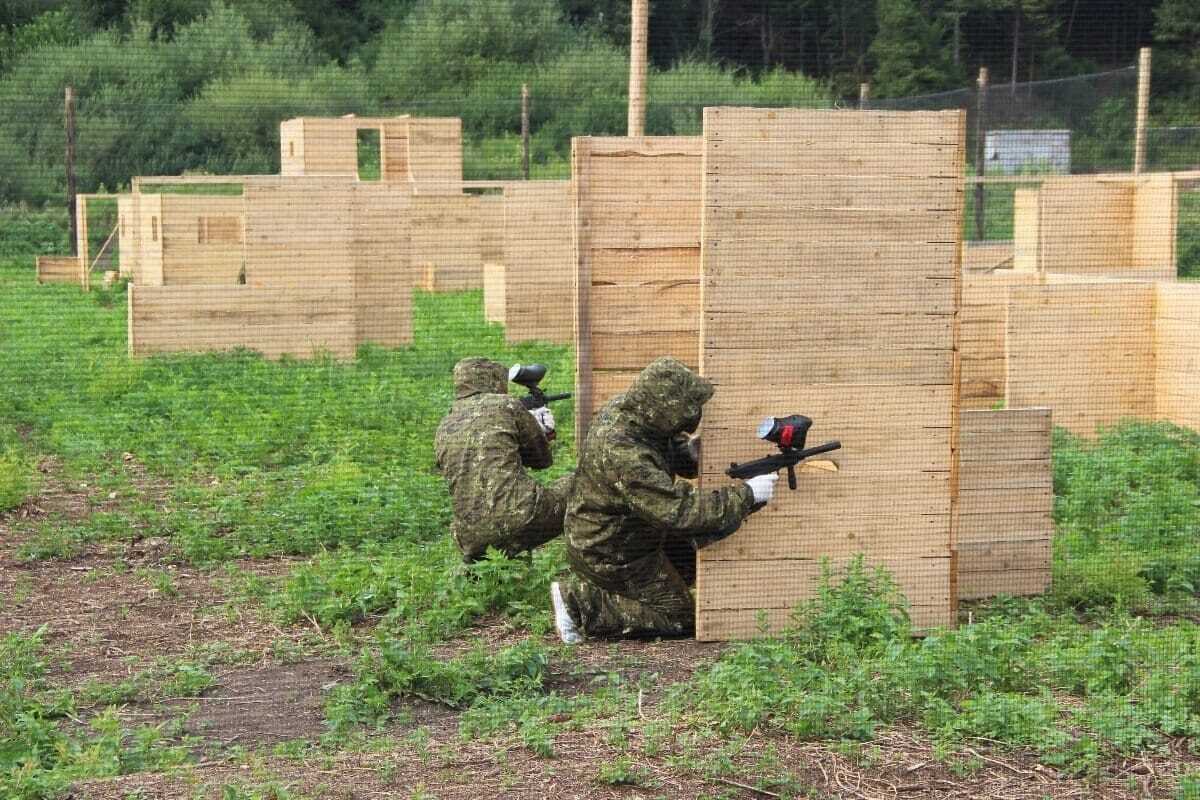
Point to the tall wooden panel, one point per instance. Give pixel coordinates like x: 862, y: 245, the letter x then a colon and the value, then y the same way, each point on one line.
x: 1086, y: 351
x: 636, y: 226
x: 1155, y: 226
x: 1085, y: 225
x: 830, y: 254
x: 202, y: 239
x: 981, y: 335
x: 383, y: 274
x: 299, y: 231
x: 539, y: 266
x: 128, y: 245
x: 1006, y: 497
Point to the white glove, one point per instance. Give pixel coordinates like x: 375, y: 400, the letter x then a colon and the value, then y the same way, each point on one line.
x: 545, y: 419
x: 763, y: 486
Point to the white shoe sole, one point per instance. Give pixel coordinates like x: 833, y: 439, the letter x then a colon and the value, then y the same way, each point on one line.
x: 562, y: 618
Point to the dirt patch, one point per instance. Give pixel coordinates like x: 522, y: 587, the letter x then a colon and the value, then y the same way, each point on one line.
x: 111, y: 625
x: 264, y: 706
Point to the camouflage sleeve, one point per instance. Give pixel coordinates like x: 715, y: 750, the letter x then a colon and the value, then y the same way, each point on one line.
x: 535, y: 449
x: 676, y: 505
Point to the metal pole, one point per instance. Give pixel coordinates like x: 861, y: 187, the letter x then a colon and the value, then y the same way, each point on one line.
x: 639, y: 31
x: 981, y: 152
x: 69, y: 119
x: 525, y: 131
x: 1143, y: 111
x: 864, y: 96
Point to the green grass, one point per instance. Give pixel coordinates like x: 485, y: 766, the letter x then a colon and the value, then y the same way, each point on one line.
x: 333, y: 461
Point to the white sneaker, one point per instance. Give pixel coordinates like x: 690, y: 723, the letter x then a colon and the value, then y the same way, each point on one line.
x: 567, y: 630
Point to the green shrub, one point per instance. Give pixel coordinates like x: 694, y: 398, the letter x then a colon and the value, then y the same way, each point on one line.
x: 17, y: 481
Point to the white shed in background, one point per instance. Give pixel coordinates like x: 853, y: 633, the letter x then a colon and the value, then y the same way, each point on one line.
x: 1011, y: 152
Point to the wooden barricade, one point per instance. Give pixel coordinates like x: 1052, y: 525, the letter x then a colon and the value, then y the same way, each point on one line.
x: 494, y: 290
x: 1084, y: 350
x: 981, y: 335
x: 58, y: 269
x: 1005, y: 501
x: 1177, y: 353
x: 637, y: 261
x: 831, y: 263
x: 539, y: 262
x: 445, y: 234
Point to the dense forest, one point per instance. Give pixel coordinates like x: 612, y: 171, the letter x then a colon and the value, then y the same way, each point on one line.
x: 172, y: 85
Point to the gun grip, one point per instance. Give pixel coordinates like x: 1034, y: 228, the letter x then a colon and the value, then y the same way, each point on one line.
x: 792, y: 478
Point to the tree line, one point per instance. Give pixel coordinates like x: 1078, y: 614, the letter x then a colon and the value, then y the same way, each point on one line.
x: 173, y: 85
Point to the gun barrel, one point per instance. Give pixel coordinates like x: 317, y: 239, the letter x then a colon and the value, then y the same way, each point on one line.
x: 551, y: 398
x: 778, y: 461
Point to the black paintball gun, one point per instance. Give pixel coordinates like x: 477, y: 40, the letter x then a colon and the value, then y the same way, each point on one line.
x: 788, y: 433
x: 529, y: 376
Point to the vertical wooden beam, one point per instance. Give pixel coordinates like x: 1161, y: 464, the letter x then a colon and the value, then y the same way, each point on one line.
x: 69, y: 121
x: 580, y: 150
x: 639, y: 31
x: 525, y: 131
x: 1143, y: 111
x: 981, y: 151
x: 864, y: 96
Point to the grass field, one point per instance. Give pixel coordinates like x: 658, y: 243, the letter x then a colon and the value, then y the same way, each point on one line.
x: 231, y: 578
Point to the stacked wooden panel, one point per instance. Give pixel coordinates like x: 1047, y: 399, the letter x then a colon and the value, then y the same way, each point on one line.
x: 383, y: 277
x: 299, y: 231
x: 1084, y: 350
x: 201, y: 239
x: 494, y: 290
x: 637, y: 260
x: 830, y: 254
x: 981, y: 335
x: 539, y: 262
x: 1005, y: 502
x: 1177, y: 353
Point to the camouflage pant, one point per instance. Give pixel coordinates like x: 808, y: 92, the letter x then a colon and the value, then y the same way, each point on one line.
x: 545, y: 524
x: 656, y: 603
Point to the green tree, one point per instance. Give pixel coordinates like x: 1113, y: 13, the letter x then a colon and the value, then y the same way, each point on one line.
x: 910, y: 51
x: 1177, y: 60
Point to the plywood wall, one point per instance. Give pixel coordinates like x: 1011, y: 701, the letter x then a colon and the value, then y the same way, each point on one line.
x: 58, y: 269
x: 539, y: 262
x: 202, y: 239
x: 148, y: 269
x: 981, y: 334
x: 1177, y: 353
x: 1084, y: 350
x: 435, y: 155
x: 830, y: 254
x: 1006, y: 497
x: 300, y: 322
x: 383, y: 274
x: 299, y: 231
x: 446, y: 234
x: 636, y: 205
x: 1115, y: 225
x: 128, y: 229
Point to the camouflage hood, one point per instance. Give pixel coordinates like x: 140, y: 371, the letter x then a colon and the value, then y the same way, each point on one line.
x: 667, y: 397
x: 474, y: 376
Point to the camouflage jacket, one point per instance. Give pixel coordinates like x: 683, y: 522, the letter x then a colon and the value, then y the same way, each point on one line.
x: 483, y: 447
x: 627, y: 502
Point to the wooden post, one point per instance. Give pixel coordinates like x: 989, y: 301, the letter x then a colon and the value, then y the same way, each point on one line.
x: 525, y: 131
x: 1143, y: 111
x: 639, y: 30
x: 981, y: 152
x: 69, y: 120
x: 864, y: 96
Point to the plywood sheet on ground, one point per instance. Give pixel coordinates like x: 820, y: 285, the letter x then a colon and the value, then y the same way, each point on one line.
x: 636, y: 204
x: 539, y: 262
x: 1086, y: 351
x: 831, y: 289
x: 1005, y: 499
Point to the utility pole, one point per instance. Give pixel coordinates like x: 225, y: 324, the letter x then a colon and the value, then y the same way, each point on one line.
x: 69, y: 119
x: 981, y: 152
x: 864, y: 96
x: 1143, y: 111
x: 639, y: 30
x: 525, y: 131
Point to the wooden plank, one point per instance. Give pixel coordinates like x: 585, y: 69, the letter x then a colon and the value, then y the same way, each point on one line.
x: 1155, y: 226
x: 1026, y: 231
x: 637, y: 265
x: 1177, y: 353
x: 493, y: 292
x: 539, y: 271
x: 994, y: 525
x: 58, y: 269
x: 191, y: 253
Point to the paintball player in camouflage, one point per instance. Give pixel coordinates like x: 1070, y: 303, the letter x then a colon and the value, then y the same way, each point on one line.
x: 483, y: 447
x: 628, y: 507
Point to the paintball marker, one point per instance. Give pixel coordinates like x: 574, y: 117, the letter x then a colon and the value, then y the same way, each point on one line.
x: 788, y: 434
x: 529, y: 376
